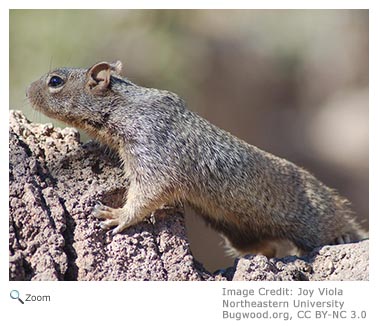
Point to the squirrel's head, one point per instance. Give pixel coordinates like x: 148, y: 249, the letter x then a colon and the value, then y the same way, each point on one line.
x: 75, y: 95
x: 100, y: 101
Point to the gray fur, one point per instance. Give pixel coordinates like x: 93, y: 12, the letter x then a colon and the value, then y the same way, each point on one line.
x: 170, y: 154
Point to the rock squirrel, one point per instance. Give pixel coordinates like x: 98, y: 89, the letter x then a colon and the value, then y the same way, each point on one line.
x: 170, y: 154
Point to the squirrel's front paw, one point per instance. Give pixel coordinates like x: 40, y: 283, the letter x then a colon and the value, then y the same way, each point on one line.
x: 105, y: 212
x: 113, y: 217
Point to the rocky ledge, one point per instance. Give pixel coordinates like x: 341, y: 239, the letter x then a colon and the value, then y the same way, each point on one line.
x: 55, y: 182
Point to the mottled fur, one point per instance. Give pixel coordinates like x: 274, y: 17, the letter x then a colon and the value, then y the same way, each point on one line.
x: 251, y: 197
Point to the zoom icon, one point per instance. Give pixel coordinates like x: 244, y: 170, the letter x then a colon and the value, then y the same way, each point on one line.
x: 14, y: 294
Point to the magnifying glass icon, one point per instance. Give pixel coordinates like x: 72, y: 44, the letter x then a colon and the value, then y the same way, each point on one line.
x: 14, y: 294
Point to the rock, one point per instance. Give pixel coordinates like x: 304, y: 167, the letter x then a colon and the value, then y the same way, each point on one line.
x: 329, y: 263
x: 55, y: 182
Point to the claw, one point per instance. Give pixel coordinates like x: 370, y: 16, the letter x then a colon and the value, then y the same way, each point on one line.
x: 106, y: 225
x: 345, y: 238
x: 119, y: 228
x: 103, y: 212
x: 340, y: 240
x: 103, y: 226
x: 115, y: 231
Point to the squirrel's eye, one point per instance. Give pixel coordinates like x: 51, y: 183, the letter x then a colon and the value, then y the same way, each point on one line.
x: 55, y: 81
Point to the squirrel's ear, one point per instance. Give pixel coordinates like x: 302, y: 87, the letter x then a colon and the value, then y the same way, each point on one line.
x: 98, y: 76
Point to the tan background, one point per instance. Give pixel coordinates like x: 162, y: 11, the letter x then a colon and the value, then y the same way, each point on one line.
x: 293, y: 82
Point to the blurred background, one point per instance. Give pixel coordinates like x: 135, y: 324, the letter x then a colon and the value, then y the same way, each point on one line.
x: 292, y: 82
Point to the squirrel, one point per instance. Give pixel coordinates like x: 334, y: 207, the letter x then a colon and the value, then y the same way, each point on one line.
x: 170, y: 154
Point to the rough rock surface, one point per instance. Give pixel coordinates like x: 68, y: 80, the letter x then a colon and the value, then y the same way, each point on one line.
x: 329, y: 263
x: 55, y: 182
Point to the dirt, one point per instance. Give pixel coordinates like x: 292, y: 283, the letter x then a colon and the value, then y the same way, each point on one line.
x: 55, y: 182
